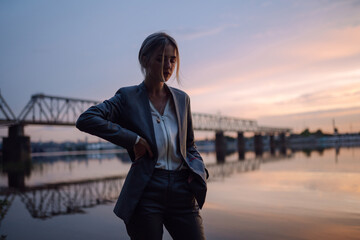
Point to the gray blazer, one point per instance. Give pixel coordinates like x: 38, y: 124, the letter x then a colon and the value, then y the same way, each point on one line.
x: 126, y: 115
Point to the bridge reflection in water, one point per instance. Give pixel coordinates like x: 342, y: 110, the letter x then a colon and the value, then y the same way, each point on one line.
x: 73, y: 197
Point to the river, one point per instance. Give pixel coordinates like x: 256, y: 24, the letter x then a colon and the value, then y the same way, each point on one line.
x: 297, y: 195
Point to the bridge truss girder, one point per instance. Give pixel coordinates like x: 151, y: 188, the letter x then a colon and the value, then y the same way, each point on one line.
x: 6, y: 114
x: 51, y: 110
x: 211, y: 122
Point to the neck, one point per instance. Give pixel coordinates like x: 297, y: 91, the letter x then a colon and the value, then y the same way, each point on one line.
x: 154, y: 87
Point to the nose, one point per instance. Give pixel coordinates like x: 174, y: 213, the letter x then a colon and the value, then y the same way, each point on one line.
x: 167, y: 63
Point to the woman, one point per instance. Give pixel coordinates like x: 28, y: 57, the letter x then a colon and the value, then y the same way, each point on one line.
x: 166, y: 184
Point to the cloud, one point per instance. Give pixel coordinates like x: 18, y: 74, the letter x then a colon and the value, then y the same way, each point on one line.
x: 347, y: 119
x: 346, y: 95
x: 192, y: 34
x: 327, y: 44
x: 312, y: 71
x: 314, y: 60
x: 202, y: 90
x: 321, y: 113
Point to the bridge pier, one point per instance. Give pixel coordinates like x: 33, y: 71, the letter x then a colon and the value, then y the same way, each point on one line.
x: 272, y: 144
x: 241, y: 145
x: 220, y: 146
x: 16, y: 147
x: 282, y: 143
x: 258, y: 144
x: 16, y: 156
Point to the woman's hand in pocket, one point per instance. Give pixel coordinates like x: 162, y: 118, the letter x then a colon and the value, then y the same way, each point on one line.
x: 141, y: 148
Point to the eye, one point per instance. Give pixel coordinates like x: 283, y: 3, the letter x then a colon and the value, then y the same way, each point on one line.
x: 173, y: 60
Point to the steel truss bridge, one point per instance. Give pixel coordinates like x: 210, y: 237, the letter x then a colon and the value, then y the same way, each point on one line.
x: 74, y: 197
x: 63, y: 111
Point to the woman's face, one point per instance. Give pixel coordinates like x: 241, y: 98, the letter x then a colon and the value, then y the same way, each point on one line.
x: 155, y: 68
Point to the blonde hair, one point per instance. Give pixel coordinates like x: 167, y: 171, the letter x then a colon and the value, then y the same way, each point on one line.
x: 152, y: 43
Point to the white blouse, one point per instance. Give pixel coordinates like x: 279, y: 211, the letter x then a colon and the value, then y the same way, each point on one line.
x: 166, y: 135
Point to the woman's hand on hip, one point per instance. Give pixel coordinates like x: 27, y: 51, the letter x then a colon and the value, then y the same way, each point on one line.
x: 141, y: 148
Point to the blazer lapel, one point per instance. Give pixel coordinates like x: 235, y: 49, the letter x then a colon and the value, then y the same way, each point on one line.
x: 178, y: 118
x: 148, y: 127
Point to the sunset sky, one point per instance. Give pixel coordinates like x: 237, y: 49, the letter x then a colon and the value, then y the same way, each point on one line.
x: 283, y: 63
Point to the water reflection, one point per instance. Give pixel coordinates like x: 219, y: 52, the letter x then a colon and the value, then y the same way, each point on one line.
x: 307, y: 197
x: 256, y: 189
x: 47, y: 193
x: 16, y: 173
x: 70, y: 197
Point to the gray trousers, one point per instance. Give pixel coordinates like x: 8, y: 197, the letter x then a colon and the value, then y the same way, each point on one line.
x: 167, y: 201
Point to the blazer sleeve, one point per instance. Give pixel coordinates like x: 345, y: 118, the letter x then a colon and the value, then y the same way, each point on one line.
x: 190, y: 141
x: 102, y: 120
